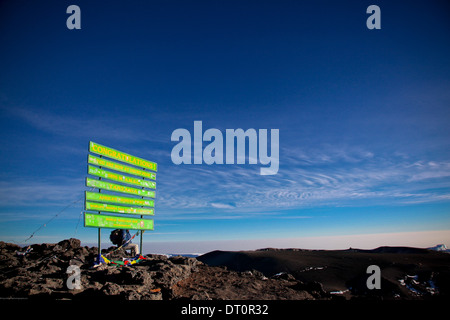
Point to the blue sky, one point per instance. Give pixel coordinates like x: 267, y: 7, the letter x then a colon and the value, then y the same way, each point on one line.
x: 363, y: 114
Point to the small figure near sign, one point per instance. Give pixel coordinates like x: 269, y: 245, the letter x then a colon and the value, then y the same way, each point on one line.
x: 122, y: 239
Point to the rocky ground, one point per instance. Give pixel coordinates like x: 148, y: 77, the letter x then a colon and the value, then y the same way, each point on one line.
x: 42, y: 273
x: 218, y: 283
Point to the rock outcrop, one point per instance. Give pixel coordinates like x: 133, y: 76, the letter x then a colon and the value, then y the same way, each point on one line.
x: 43, y: 273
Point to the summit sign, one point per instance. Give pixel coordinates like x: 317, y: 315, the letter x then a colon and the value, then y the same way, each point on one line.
x: 122, y: 191
x: 121, y: 156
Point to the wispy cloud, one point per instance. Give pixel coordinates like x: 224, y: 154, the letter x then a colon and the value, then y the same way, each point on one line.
x: 350, y: 179
x: 123, y: 128
x: 430, y: 170
x: 40, y: 193
x: 198, y: 191
x: 222, y: 205
x: 327, y: 154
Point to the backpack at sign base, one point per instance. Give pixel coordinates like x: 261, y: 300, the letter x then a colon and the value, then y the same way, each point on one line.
x: 116, y: 237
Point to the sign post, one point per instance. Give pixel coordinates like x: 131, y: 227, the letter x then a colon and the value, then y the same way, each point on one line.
x: 99, y: 229
x: 131, y: 179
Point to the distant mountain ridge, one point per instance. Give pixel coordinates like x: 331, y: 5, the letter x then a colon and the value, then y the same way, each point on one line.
x: 387, y: 249
x: 440, y: 247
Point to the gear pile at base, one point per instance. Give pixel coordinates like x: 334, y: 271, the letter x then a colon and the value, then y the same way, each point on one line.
x: 101, y: 259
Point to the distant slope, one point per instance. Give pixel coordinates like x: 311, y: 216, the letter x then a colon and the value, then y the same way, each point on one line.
x: 386, y: 249
x: 335, y: 269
